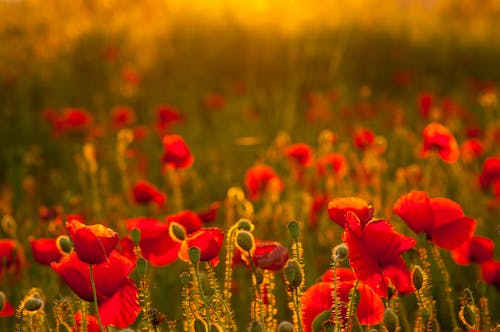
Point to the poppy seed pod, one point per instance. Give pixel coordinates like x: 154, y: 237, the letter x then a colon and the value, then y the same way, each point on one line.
x: 418, y: 277
x: 200, y: 326
x: 244, y: 240
x: 340, y: 252
x: 33, y: 303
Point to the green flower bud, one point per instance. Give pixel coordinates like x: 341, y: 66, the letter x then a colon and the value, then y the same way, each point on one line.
x: 259, y: 275
x: 293, y: 228
x: 390, y: 320
x: 33, y: 303
x: 469, y: 315
x: 418, y: 277
x: 194, y: 254
x: 244, y: 240
x: 293, y: 273
x: 135, y: 234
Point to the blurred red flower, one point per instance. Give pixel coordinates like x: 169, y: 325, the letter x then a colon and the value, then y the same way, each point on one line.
x: 116, y: 292
x: 338, y: 207
x: 260, y: 179
x: 300, y: 153
x: 166, y: 115
x: 210, y: 214
x: 333, y: 164
x: 268, y: 255
x: 364, y: 138
x: 214, y: 101
x: 438, y: 138
x: 75, y: 119
x: 177, y: 154
x: 319, y: 204
x: 490, y: 172
x: 92, y: 323
x: 122, y: 116
x: 375, y: 254
x: 425, y: 103
x: 144, y: 192
x: 208, y: 240
x: 93, y: 243
x: 186, y: 218
x: 441, y: 219
x: 470, y: 149
x: 6, y: 309
x: 45, y: 250
x: 491, y: 273
x: 478, y: 249
x: 11, y: 256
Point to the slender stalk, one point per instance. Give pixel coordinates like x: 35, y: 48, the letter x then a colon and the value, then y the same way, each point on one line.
x: 94, y: 293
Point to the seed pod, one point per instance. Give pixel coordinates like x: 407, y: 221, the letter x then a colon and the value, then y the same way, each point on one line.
x: 469, y: 315
x: 285, y: 326
x: 340, y: 252
x: 390, y: 320
x: 194, y: 254
x: 64, y: 244
x: 244, y: 240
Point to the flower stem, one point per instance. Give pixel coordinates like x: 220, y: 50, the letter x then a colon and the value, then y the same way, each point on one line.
x: 94, y: 293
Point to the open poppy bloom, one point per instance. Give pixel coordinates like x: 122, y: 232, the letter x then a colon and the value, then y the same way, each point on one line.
x: 364, y: 138
x: 156, y: 244
x: 318, y: 298
x: 441, y: 219
x: 471, y: 149
x: 375, y: 254
x: 116, y: 292
x: 92, y: 323
x: 333, y: 164
x: 11, y: 256
x: 438, y: 138
x: 478, y: 249
x: 300, y: 153
x: 491, y: 273
x: 268, y: 255
x: 93, y: 243
x: 6, y: 309
x: 210, y: 214
x: 166, y: 115
x: 177, y: 154
x: 338, y: 207
x: 144, y: 193
x: 490, y: 172
x: 260, y: 179
x: 45, y: 251
x: 208, y: 240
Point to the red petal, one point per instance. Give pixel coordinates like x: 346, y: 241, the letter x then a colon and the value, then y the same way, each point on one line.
x: 454, y: 234
x: 491, y: 273
x: 478, y: 249
x: 370, y: 310
x: 343, y: 274
x: 338, y: 207
x: 400, y: 276
x: 445, y: 211
x: 314, y: 301
x: 415, y: 210
x: 123, y: 308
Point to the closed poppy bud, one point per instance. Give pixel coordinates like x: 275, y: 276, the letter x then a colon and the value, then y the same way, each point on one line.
x: 245, y: 224
x: 185, y: 278
x: 293, y: 228
x: 64, y: 243
x: 255, y: 326
x: 245, y: 241
x: 200, y: 326
x: 177, y: 232
x: 390, y: 320
x: 418, y: 278
x: 94, y: 243
x: 194, y: 254
x: 33, y: 303
x: 135, y: 234
x: 293, y: 273
x: 259, y: 275
x: 285, y: 326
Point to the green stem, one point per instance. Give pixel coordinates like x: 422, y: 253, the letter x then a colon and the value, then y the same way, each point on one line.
x: 203, y: 297
x: 94, y: 293
x: 297, y: 311
x: 335, y: 297
x: 257, y: 288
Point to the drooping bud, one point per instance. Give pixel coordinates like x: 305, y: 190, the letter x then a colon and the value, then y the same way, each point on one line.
x: 177, y: 232
x: 259, y: 275
x: 293, y: 274
x: 135, y: 234
x: 285, y: 326
x: 194, y: 254
x: 390, y: 320
x: 418, y: 277
x: 33, y: 303
x: 185, y: 278
x: 255, y: 326
x: 200, y: 326
x: 244, y: 240
x: 64, y: 244
x: 340, y: 252
x: 293, y: 228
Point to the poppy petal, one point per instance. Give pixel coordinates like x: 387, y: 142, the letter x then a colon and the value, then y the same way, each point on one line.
x: 122, y: 309
x: 400, y: 276
x: 445, y: 211
x: 370, y: 310
x: 454, y: 234
x: 415, y: 210
x: 338, y: 207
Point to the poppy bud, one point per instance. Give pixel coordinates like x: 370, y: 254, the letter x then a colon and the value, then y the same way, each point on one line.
x: 293, y: 228
x: 185, y: 278
x: 245, y: 224
x: 135, y: 234
x: 285, y: 327
x: 177, y: 232
x: 293, y: 274
x: 194, y: 254
x: 259, y: 275
x: 340, y: 252
x: 200, y: 326
x: 418, y: 277
x: 64, y: 244
x: 142, y: 265
x: 468, y: 315
x: 255, y: 326
x: 244, y: 240
x: 33, y: 303
x: 390, y: 320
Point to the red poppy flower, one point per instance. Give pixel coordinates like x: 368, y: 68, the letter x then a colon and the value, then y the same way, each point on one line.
x: 144, y: 193
x: 122, y: 116
x: 93, y: 243
x: 319, y: 204
x: 188, y: 219
x: 214, y: 101
x: 75, y: 119
x: 210, y: 214
x: 364, y: 138
x: 318, y: 298
x: 490, y: 172
x: 46, y: 213
x: 338, y: 207
x: 300, y: 153
x: 478, y: 249
x: 260, y: 179
x: 6, y: 309
x: 375, y: 254
x: 441, y: 219
x: 11, y: 256
x: 343, y: 274
x: 332, y: 163
x: 268, y: 255
x: 471, y: 149
x: 116, y: 292
x: 130, y: 75
x: 92, y: 323
x: 177, y: 154
x: 156, y: 244
x: 208, y: 240
x: 45, y: 251
x: 425, y: 102
x: 491, y: 273
x: 438, y: 138
x: 166, y: 115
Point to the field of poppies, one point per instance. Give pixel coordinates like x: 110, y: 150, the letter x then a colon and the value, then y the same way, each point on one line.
x: 271, y: 166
